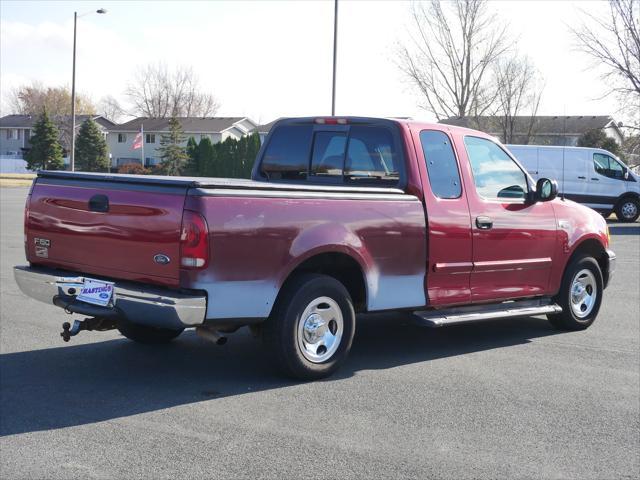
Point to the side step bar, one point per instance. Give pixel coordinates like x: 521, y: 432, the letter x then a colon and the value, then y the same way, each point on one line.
x: 476, y: 313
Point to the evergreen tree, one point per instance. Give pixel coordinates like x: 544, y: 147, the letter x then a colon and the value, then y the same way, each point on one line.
x: 598, y: 139
x: 46, y: 152
x: 207, y: 158
x: 193, y: 166
x: 91, y: 149
x: 173, y: 154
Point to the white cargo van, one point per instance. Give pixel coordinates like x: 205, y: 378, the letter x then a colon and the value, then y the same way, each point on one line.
x: 591, y: 176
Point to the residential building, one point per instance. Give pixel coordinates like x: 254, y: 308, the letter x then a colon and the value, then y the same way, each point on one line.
x: 263, y: 130
x: 217, y: 129
x: 543, y: 130
x: 16, y: 131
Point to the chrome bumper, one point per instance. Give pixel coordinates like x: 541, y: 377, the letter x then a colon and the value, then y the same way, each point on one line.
x: 141, y: 304
x: 612, y: 266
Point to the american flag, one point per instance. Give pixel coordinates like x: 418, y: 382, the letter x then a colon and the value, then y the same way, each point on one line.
x: 137, y: 142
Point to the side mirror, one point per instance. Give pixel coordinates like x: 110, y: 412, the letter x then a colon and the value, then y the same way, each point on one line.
x: 626, y: 174
x: 546, y: 190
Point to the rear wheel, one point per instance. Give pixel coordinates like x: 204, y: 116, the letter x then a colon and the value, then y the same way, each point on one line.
x: 311, y: 328
x: 580, y: 295
x: 145, y: 334
x: 628, y: 210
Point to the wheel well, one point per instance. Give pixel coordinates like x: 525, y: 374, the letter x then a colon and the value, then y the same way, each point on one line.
x: 343, y: 268
x: 593, y: 248
x: 627, y: 195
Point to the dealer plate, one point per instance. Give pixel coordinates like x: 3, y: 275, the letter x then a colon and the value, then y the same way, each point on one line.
x: 96, y: 292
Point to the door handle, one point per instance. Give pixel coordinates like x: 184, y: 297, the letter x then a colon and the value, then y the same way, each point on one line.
x: 99, y: 203
x: 484, y: 223
x: 595, y: 179
x: 582, y: 178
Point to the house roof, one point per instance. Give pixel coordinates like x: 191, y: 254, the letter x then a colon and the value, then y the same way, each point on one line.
x: 265, y: 128
x: 188, y: 124
x: 557, y: 125
x: 27, y: 121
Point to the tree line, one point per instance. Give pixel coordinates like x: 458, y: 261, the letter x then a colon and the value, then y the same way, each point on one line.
x: 464, y: 62
x: 154, y: 91
x: 231, y: 158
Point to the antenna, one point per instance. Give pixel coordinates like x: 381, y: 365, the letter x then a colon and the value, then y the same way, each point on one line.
x: 564, y: 146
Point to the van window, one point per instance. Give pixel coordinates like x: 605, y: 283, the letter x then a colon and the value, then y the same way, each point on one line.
x: 371, y: 155
x: 495, y: 174
x: 287, y: 155
x: 441, y: 164
x: 608, y: 166
x: 328, y: 154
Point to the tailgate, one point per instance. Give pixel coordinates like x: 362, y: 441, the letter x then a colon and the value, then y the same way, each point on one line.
x: 124, y: 230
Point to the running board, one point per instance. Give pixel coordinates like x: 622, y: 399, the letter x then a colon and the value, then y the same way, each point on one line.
x: 477, y: 313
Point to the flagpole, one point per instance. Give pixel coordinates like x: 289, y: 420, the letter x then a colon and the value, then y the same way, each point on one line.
x: 142, y: 143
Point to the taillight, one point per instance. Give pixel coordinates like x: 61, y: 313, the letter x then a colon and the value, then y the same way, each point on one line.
x: 194, y: 241
x: 331, y: 121
x: 26, y: 223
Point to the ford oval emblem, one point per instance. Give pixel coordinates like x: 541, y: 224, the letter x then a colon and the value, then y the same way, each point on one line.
x: 161, y: 258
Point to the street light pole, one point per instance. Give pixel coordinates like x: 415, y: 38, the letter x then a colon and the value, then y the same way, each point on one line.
x: 73, y: 97
x: 72, y: 163
x: 335, y: 55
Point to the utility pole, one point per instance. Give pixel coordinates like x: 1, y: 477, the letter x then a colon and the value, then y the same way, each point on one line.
x: 335, y: 55
x: 72, y: 164
x: 72, y: 156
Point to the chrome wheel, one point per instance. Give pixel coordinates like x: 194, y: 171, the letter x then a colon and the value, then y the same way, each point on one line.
x: 320, y: 329
x: 584, y: 292
x: 629, y: 209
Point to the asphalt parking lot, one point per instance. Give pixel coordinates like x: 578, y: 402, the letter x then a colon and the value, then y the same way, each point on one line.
x: 507, y: 399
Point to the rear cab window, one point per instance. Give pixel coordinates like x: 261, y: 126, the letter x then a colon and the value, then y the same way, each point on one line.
x: 495, y: 174
x: 363, y: 154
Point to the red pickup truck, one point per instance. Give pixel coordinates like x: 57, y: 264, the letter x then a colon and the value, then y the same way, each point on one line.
x: 342, y: 216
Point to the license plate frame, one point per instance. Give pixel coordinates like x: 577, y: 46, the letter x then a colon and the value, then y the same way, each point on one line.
x: 97, y: 292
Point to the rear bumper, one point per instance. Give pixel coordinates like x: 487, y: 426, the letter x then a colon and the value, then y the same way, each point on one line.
x: 138, y: 303
x: 611, y: 258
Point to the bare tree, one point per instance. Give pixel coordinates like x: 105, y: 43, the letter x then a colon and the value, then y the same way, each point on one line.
x: 110, y: 108
x: 33, y: 98
x: 518, y: 93
x: 449, y: 60
x: 157, y: 92
x: 614, y: 41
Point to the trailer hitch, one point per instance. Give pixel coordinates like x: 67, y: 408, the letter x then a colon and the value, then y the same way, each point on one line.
x: 89, y: 324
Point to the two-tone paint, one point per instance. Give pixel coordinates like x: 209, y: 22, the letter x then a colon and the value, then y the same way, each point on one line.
x: 413, y: 250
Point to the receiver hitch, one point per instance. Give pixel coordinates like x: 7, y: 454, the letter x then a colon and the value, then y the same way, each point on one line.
x: 99, y: 324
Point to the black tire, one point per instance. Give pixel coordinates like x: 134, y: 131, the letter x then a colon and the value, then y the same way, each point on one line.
x: 145, y: 334
x: 628, y: 209
x: 568, y: 319
x: 284, y: 330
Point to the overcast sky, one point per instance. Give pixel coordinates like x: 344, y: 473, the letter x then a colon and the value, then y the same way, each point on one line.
x: 267, y: 59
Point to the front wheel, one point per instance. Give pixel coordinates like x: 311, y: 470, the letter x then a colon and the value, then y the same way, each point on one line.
x: 580, y: 295
x: 628, y: 210
x: 311, y: 328
x: 145, y: 334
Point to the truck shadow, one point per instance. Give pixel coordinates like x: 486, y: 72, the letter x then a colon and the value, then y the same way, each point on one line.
x: 83, y: 384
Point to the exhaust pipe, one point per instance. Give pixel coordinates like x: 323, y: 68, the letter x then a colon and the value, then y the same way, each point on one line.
x: 211, y: 335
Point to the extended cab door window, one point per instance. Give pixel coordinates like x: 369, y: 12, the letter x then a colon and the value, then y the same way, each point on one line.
x: 442, y: 167
x: 495, y: 174
x: 607, y: 166
x: 287, y: 154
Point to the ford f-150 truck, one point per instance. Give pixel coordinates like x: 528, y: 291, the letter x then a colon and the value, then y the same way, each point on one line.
x: 342, y: 216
